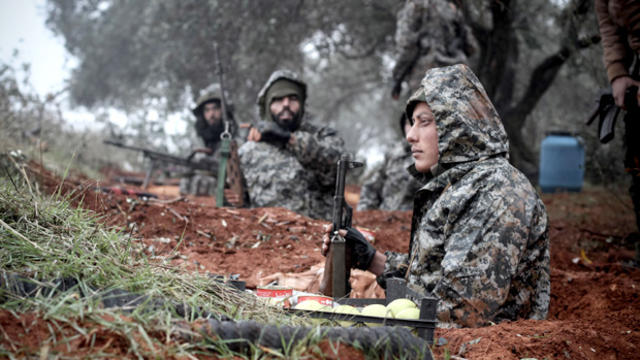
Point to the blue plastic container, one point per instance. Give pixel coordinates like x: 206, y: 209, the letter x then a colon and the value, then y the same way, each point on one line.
x: 561, y: 163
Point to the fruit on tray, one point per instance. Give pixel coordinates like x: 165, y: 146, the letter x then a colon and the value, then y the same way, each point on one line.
x: 397, y: 305
x: 409, y: 314
x: 346, y: 309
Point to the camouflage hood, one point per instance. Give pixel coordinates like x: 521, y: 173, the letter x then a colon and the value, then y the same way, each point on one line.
x: 275, y: 76
x: 469, y: 128
x: 211, y: 92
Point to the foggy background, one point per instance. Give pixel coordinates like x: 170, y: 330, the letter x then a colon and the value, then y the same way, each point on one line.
x: 73, y: 73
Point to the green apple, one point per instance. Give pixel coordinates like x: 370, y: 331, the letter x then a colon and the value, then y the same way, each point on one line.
x: 313, y: 305
x: 397, y: 305
x: 377, y: 310
x: 409, y: 314
x: 346, y: 309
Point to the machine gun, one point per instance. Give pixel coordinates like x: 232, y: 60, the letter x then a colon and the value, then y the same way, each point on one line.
x: 337, y: 269
x: 157, y: 158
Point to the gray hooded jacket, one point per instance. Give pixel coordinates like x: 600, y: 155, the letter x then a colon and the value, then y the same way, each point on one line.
x: 479, y: 234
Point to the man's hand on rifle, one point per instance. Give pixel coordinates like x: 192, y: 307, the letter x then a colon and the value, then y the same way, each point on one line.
x: 619, y: 86
x: 362, y: 252
x: 270, y: 132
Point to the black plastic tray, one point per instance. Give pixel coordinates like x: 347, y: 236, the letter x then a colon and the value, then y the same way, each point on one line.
x: 396, y: 289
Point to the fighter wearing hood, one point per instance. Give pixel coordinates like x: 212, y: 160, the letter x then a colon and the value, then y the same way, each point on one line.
x: 479, y: 232
x: 429, y: 33
x: 208, y: 112
x: 287, y: 161
x: 209, y: 126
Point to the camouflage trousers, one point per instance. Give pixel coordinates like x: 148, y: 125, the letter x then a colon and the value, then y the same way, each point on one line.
x: 199, y: 184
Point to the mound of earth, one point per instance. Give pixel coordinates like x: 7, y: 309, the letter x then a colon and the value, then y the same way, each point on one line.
x: 595, y: 304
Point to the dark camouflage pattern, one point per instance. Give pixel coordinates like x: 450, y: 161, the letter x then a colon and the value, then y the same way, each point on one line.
x: 300, y: 177
x: 204, y: 183
x: 479, y: 237
x: 391, y: 187
x: 200, y: 182
x: 430, y: 33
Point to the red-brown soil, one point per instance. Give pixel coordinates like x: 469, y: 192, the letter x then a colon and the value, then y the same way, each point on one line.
x: 595, y: 296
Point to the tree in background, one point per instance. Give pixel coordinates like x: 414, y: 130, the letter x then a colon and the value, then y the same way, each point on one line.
x: 36, y: 126
x: 132, y: 51
x: 516, y: 47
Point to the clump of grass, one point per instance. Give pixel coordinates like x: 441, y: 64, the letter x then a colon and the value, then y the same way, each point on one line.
x: 45, y: 238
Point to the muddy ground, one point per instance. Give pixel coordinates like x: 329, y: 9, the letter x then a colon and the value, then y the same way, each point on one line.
x: 595, y: 304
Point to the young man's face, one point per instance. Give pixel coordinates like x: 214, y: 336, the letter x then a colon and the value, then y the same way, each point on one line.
x: 212, y: 113
x: 423, y: 137
x: 285, y: 110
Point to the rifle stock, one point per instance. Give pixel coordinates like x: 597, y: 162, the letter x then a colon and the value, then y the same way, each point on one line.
x: 335, y: 280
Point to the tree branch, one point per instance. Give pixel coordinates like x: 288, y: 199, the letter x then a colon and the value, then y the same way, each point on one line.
x: 542, y: 77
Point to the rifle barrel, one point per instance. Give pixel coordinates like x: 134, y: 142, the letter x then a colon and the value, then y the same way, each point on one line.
x: 162, y: 157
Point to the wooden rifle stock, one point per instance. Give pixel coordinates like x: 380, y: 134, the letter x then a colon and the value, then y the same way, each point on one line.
x: 337, y: 269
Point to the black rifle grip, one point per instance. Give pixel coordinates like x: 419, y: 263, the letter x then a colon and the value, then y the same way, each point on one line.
x: 631, y: 98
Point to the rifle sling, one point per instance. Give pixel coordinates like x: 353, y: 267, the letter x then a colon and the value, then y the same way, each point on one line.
x: 225, y: 150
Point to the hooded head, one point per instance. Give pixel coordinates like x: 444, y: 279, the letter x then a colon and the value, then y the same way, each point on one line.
x: 212, y: 93
x: 210, y: 130
x: 280, y: 84
x: 468, y: 125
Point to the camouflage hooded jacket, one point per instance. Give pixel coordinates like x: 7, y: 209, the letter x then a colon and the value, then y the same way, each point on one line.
x: 479, y: 234
x: 301, y: 176
x: 391, y: 187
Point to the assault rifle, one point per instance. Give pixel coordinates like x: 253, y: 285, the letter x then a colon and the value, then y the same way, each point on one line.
x: 337, y: 268
x: 157, y: 158
x: 608, y: 112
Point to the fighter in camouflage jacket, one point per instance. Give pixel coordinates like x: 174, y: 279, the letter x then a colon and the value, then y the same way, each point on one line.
x: 479, y: 234
x: 209, y: 126
x: 391, y: 187
x: 430, y: 33
x: 299, y: 175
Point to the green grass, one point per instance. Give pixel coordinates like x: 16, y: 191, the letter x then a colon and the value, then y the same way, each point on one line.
x: 45, y: 238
